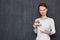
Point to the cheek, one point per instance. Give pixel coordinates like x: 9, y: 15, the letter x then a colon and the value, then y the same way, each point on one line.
x: 40, y: 12
x: 43, y: 12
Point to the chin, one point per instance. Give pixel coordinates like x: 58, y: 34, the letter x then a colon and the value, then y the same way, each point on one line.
x: 43, y: 15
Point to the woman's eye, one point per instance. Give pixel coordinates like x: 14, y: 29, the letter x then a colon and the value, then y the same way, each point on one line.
x: 41, y: 10
x: 44, y: 9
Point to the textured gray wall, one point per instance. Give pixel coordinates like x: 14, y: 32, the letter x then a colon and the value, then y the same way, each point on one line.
x: 17, y: 17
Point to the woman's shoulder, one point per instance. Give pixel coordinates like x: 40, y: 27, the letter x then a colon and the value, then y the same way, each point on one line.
x: 49, y: 18
x: 52, y: 19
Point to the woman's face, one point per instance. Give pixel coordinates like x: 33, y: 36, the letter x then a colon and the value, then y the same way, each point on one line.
x: 43, y: 10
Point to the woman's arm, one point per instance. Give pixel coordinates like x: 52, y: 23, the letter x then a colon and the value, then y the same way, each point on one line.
x: 35, y: 30
x: 45, y: 31
x: 35, y: 25
x: 52, y: 27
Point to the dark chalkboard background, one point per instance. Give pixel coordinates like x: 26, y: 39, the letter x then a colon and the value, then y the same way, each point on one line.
x: 17, y: 17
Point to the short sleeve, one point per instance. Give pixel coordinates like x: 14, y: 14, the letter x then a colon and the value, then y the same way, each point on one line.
x: 52, y: 27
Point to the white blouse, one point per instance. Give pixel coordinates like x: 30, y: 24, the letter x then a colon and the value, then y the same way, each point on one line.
x: 46, y: 24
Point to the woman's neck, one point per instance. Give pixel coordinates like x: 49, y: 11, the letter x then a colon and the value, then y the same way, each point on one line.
x: 44, y: 17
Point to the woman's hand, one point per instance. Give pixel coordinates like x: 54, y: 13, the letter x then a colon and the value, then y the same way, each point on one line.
x: 37, y: 22
x: 45, y: 31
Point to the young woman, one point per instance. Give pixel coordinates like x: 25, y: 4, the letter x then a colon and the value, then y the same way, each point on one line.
x: 44, y: 26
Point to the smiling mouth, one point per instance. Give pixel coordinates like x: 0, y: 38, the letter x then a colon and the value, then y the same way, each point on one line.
x: 43, y: 13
